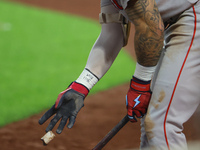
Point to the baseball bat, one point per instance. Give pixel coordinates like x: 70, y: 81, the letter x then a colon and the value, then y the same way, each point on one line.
x: 111, y: 134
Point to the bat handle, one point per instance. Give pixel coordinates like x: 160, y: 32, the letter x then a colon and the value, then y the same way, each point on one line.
x: 110, y: 134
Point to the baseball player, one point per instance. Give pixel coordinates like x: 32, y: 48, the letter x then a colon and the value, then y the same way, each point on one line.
x: 164, y: 89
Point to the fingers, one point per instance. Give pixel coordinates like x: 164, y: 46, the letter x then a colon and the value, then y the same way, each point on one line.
x: 132, y: 118
x: 138, y: 113
x: 53, y: 122
x: 47, y: 115
x: 63, y: 122
x: 72, y: 120
x: 62, y: 125
x: 133, y: 114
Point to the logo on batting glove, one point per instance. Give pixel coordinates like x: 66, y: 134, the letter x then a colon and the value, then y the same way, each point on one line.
x: 136, y: 101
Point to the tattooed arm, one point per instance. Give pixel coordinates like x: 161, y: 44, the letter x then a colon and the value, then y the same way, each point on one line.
x: 148, y: 42
x: 149, y: 30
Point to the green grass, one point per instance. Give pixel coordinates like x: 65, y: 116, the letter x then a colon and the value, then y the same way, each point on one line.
x: 41, y: 53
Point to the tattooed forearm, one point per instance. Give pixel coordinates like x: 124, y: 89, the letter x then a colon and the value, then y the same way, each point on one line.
x: 147, y: 49
x: 153, y: 20
x: 149, y: 30
x: 136, y: 9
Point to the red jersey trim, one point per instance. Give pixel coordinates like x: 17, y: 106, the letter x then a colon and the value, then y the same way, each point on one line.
x: 115, y: 3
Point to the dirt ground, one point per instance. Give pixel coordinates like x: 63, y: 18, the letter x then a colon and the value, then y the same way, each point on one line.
x: 101, y: 112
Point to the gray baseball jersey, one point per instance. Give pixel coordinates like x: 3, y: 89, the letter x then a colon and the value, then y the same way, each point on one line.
x: 167, y: 8
x: 176, y: 82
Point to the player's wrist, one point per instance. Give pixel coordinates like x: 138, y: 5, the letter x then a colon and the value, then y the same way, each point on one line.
x: 144, y: 73
x: 140, y: 85
x: 79, y: 88
x: 87, y: 79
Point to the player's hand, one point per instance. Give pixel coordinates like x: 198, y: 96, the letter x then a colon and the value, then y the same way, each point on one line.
x: 66, y: 107
x: 137, y: 98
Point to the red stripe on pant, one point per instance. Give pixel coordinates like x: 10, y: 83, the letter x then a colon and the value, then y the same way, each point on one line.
x: 165, y: 132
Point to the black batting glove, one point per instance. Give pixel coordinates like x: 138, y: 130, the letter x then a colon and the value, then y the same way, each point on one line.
x: 66, y: 107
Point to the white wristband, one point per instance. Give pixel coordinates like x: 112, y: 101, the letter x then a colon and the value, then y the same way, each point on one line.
x: 88, y: 79
x: 144, y: 73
